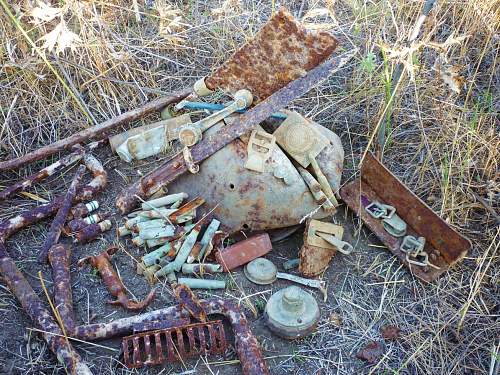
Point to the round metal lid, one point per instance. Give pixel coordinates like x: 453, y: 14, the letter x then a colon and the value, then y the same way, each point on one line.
x: 261, y: 271
x: 291, y: 313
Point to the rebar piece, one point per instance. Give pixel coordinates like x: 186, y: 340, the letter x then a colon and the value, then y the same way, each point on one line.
x: 60, y: 218
x: 60, y: 259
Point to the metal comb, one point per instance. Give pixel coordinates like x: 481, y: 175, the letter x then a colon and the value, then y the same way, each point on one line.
x: 174, y: 344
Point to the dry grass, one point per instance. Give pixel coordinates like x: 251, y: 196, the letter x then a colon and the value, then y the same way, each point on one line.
x: 442, y: 143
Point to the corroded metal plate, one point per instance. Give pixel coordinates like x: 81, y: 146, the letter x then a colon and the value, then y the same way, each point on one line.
x: 282, y: 51
x: 444, y: 245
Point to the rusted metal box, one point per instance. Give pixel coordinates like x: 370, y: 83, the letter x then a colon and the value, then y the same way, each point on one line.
x: 444, y: 245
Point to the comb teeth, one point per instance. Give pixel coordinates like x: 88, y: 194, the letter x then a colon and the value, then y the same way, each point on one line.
x: 173, y: 344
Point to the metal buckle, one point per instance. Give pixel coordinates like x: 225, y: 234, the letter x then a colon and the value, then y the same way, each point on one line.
x: 412, y: 245
x: 259, y: 149
x: 380, y: 211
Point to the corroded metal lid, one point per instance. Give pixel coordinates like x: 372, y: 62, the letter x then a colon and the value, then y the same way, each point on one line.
x: 261, y: 271
x: 291, y: 313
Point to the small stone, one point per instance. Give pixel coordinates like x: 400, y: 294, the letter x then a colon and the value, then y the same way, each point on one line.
x: 335, y: 319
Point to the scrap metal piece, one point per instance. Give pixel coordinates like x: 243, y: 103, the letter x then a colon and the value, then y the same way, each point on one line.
x: 316, y: 284
x: 183, y: 253
x: 201, y: 269
x: 92, y: 231
x: 29, y: 217
x: 60, y: 258
x: 95, y: 132
x: 163, y: 201
x: 244, y: 251
x: 42, y: 174
x: 315, y: 189
x: 342, y: 246
x: 202, y: 283
x: 282, y: 51
x: 259, y: 149
x: 206, y: 240
x: 155, y: 256
x: 102, y: 263
x: 188, y: 301
x: 58, y: 223
x: 160, y: 324
x: 186, y: 209
x: 40, y: 316
x: 443, y: 244
x: 170, y: 345
x: 247, y: 346
x: 212, y: 107
x: 316, y: 253
x: 189, y: 135
x: 394, y: 225
x: 83, y: 209
x: 176, y: 166
x: 291, y: 313
x: 80, y: 223
x: 300, y: 139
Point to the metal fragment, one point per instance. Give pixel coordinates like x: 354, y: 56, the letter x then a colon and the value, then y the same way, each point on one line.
x: 201, y: 269
x: 244, y: 251
x: 92, y: 231
x: 58, y: 223
x: 42, y: 174
x: 94, y: 132
x: 377, y: 183
x: 174, y: 344
x: 83, y: 209
x: 282, y: 51
x: 163, y: 201
x: 183, y: 253
x: 206, y: 240
x: 202, y: 283
x: 40, y: 316
x: 113, y: 283
x: 80, y: 223
x: 176, y: 166
x: 60, y: 259
x: 188, y: 301
x: 291, y: 264
x: 155, y: 256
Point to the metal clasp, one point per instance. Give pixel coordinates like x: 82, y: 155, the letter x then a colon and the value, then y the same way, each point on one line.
x: 395, y: 226
x: 380, y: 211
x: 259, y: 149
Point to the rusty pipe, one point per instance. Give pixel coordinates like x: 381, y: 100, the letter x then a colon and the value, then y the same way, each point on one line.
x: 60, y: 258
x: 35, y: 309
x: 102, y: 263
x: 247, y: 346
x: 60, y: 218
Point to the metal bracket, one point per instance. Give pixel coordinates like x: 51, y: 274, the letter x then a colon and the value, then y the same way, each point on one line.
x: 342, y: 246
x: 316, y: 227
x: 259, y: 149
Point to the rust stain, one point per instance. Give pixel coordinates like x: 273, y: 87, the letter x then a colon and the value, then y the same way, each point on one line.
x: 282, y: 51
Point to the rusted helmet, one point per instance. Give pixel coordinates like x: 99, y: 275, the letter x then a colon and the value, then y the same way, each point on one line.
x: 246, y: 200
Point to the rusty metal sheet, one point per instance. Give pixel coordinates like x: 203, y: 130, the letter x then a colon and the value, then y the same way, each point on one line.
x: 188, y: 301
x: 244, y: 251
x: 282, y: 51
x: 176, y: 166
x: 444, y: 245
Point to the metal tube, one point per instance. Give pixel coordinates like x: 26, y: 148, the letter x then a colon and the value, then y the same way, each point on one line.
x: 202, y: 283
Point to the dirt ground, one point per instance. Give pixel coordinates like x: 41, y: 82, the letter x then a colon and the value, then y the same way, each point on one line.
x: 442, y: 142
